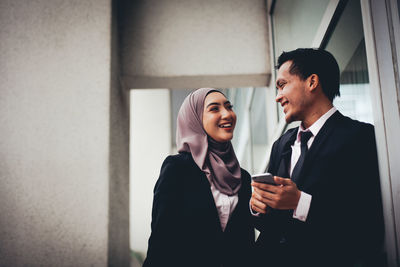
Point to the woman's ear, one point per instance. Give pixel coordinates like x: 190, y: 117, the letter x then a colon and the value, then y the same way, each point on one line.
x: 313, y: 81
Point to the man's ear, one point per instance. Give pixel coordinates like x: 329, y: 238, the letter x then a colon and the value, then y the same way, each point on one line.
x: 313, y: 81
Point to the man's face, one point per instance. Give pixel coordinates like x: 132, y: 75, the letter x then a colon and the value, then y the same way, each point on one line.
x: 292, y: 93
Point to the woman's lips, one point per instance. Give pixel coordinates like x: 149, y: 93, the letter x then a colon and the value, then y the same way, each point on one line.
x: 226, y: 126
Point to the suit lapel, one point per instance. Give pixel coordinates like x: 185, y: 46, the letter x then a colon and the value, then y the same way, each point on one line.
x: 236, y: 211
x: 284, y: 162
x: 209, y: 199
x: 242, y: 208
x: 315, y: 149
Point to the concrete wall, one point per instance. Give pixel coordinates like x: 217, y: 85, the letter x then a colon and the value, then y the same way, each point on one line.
x: 191, y: 43
x: 58, y: 145
x: 151, y: 143
x: 119, y: 121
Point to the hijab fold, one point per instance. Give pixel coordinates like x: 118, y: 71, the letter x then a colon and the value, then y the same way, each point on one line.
x: 217, y: 160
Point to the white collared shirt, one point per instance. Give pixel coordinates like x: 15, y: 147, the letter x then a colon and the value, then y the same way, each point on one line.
x: 225, y: 205
x: 301, y: 211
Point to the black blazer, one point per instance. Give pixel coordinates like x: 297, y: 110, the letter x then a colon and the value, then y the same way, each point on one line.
x: 186, y: 230
x: 345, y: 221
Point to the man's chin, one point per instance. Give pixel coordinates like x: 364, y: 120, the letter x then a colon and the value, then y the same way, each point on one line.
x: 288, y: 118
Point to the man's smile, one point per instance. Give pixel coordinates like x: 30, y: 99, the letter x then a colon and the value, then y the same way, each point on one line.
x: 284, y: 105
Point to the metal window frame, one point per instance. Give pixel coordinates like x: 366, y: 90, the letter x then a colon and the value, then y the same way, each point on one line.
x: 245, y: 133
x: 379, y: 22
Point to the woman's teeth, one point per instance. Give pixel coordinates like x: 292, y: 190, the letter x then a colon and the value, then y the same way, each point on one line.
x: 226, y: 125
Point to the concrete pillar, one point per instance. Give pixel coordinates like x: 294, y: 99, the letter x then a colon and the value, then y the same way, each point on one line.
x: 63, y: 136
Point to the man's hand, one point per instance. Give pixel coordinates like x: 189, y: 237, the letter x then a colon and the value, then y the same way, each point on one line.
x: 284, y: 196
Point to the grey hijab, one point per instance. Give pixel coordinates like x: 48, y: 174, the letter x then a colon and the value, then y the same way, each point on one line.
x: 217, y: 160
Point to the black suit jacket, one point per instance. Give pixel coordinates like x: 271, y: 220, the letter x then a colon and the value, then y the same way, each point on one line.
x: 345, y: 222
x: 186, y: 230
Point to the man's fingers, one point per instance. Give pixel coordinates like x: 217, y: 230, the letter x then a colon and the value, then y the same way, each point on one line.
x: 265, y: 187
x: 256, y: 209
x: 258, y: 206
x: 260, y: 201
x: 281, y: 196
x: 263, y: 195
x: 256, y: 195
x: 282, y: 181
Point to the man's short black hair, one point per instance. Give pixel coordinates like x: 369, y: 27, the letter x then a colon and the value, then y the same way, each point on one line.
x: 307, y: 61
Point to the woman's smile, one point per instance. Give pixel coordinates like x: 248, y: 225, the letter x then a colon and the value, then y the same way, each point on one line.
x: 219, y: 119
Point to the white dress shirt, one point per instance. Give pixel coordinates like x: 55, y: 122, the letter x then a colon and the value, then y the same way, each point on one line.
x: 301, y: 211
x: 225, y: 205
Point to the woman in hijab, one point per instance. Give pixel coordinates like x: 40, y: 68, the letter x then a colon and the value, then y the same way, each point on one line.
x: 201, y: 214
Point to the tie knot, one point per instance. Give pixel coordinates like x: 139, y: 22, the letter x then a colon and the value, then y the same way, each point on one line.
x: 305, y: 136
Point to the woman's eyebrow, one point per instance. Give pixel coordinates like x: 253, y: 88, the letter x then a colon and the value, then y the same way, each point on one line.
x: 213, y: 103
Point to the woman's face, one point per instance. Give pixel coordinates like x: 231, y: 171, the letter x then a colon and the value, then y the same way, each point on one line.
x: 219, y: 120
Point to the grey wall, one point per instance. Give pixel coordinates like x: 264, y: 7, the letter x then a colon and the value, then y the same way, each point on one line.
x: 191, y: 43
x: 61, y: 129
x: 118, y: 227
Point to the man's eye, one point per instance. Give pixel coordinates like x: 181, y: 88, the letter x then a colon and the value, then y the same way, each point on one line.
x: 280, y: 86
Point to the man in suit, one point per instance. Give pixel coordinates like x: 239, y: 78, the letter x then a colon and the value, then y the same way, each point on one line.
x: 326, y: 207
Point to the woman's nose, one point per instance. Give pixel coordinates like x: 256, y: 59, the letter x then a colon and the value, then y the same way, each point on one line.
x: 225, y: 113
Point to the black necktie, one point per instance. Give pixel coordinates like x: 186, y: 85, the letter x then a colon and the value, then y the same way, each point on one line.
x: 304, y: 137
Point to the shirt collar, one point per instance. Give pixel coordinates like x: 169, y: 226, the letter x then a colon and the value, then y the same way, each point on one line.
x: 316, y: 126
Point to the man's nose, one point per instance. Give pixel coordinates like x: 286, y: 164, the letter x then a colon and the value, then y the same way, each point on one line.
x: 278, y: 97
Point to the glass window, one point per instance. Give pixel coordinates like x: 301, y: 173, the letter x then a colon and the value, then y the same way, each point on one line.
x: 177, y: 97
x: 348, y: 46
x: 258, y: 125
x: 240, y: 98
x: 294, y: 25
x: 237, y: 97
x: 398, y: 6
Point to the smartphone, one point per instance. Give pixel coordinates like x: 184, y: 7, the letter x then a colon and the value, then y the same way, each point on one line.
x: 265, y: 178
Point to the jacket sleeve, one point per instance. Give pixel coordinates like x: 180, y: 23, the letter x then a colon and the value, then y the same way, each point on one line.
x: 261, y: 221
x: 163, y: 249
x: 349, y: 202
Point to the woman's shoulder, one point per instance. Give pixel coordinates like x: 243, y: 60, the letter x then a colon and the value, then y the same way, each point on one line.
x: 175, y: 170
x: 245, y: 189
x: 244, y: 172
x: 245, y: 176
x: 177, y: 164
x: 178, y: 160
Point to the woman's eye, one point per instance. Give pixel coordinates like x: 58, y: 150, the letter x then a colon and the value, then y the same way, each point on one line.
x: 214, y: 109
x: 230, y: 107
